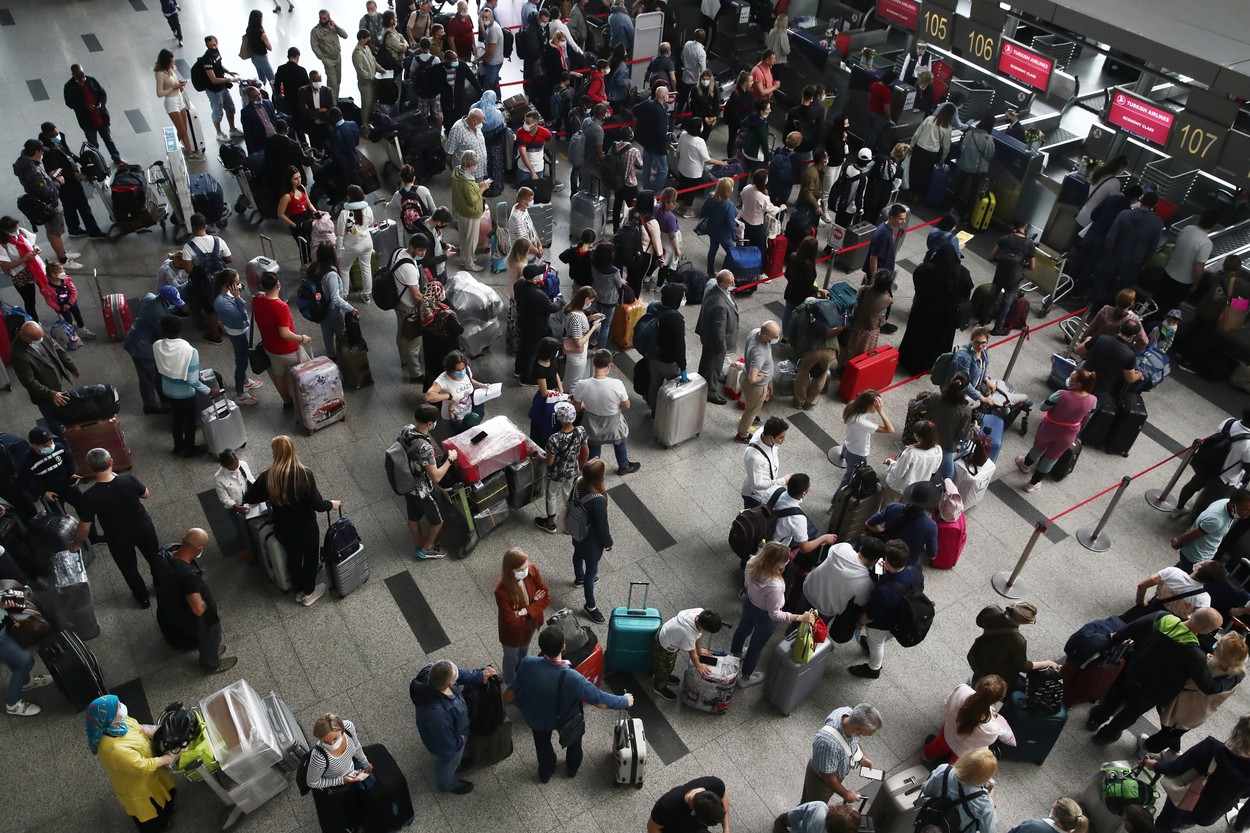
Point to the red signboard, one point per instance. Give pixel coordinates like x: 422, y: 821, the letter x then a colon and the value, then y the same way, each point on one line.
x: 1142, y: 118
x: 904, y: 13
x: 1025, y: 65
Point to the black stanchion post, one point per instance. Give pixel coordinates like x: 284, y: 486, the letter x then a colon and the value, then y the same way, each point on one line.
x: 1007, y: 583
x: 1015, y: 354
x: 1162, y: 499
x: 1093, y: 538
x: 829, y: 270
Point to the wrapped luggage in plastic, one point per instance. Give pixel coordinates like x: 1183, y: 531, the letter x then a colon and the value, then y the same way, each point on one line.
x: 471, y: 299
x: 240, y: 732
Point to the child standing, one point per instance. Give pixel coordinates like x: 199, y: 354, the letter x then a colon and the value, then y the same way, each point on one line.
x: 684, y: 632
x: 230, y: 482
x: 1163, y: 335
x: 565, y: 449
x: 62, y: 296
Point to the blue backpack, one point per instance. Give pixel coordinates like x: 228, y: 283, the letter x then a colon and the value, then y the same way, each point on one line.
x: 1154, y: 366
x: 314, y: 301
x: 647, y: 330
x: 780, y: 176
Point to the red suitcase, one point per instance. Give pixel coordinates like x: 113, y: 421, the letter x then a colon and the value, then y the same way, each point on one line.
x: 116, y: 312
x: 952, y: 535
x: 1087, y: 685
x: 775, y: 257
x: 1018, y: 314
x: 592, y: 666
x: 5, y: 346
x: 100, y: 433
x: 870, y: 371
x: 498, y: 445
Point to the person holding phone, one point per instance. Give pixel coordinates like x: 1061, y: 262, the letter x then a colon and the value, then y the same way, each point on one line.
x: 336, y: 763
x: 836, y: 749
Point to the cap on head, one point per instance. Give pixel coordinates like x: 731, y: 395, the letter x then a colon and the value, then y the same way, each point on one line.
x: 865, y: 155
x: 39, y: 436
x: 169, y: 294
x: 566, y: 414
x: 1022, y: 613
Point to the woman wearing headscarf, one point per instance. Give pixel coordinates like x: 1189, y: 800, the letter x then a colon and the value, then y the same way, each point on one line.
x: 493, y: 129
x: 942, y: 284
x: 141, y: 780
x: 440, y: 332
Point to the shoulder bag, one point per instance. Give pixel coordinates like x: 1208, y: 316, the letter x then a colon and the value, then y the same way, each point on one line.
x: 1185, y: 789
x: 572, y: 728
x: 257, y: 358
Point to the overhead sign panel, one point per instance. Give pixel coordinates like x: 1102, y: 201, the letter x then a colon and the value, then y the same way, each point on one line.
x: 1141, y: 117
x: 901, y: 13
x: 1024, y: 65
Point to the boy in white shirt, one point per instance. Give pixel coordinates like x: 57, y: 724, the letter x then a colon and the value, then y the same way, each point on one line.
x: 684, y: 632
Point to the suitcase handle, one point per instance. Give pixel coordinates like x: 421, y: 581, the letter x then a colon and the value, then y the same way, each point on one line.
x: 340, y: 511
x: 646, y: 591
x: 267, y: 241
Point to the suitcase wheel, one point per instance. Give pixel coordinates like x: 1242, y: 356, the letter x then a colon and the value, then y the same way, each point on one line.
x: 1024, y: 425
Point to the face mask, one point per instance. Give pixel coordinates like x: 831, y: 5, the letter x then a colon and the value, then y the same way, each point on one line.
x: 704, y: 82
x: 433, y: 425
x: 454, y: 64
x: 122, y: 712
x: 56, y: 140
x: 316, y: 85
x: 774, y: 340
x: 520, y: 575
x: 589, y: 306
x: 47, y: 450
x: 457, y: 374
x: 1167, y: 329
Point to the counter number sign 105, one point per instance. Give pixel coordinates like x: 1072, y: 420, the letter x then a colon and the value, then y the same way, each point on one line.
x: 937, y: 25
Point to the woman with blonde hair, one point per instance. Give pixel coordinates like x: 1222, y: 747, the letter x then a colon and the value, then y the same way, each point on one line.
x: 972, y: 721
x: 1192, y: 708
x: 522, y: 597
x: 336, y: 763
x: 170, y: 89
x: 291, y: 492
x: 1066, y: 816
x: 969, y: 782
x: 518, y: 258
x: 761, y: 609
x: 721, y: 215
x: 778, y: 39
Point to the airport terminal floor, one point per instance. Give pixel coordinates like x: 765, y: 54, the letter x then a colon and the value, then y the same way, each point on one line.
x: 355, y: 656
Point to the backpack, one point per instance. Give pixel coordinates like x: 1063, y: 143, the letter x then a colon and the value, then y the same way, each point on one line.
x: 1155, y: 366
x: 914, y: 618
x: 864, y: 482
x: 412, y: 210
x: 385, y: 285
x: 1043, y: 691
x: 979, y: 454
x: 577, y: 149
x: 647, y: 330
x: 399, y: 469
x: 751, y: 527
x: 943, y: 812
x: 314, y: 301
x: 627, y: 242
x: 1091, y: 644
x: 576, y: 521
x: 781, y: 173
x: 941, y: 369
x: 612, y: 166
x: 204, y: 269
x: 1121, y: 788
x: 93, y: 164
x: 1209, y: 458
x: 199, y: 75
x: 484, y: 702
x: 64, y: 334
x: 341, y: 540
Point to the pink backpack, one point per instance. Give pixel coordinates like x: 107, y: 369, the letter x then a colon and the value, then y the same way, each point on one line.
x: 322, y: 231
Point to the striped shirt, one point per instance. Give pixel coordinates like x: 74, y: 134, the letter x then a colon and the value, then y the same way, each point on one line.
x: 828, y: 753
x: 327, y: 770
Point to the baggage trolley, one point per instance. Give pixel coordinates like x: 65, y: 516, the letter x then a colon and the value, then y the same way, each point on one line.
x: 1048, y: 277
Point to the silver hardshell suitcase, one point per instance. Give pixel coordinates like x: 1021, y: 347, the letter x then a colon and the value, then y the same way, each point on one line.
x: 789, y: 683
x: 290, y: 734
x: 629, y: 746
x: 269, y: 552
x: 223, y: 426
x: 893, y: 808
x: 543, y: 216
x: 348, y: 573
x: 587, y: 210
x: 385, y: 239
x: 680, y: 409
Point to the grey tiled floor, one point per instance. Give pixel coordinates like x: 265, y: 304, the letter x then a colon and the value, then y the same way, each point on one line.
x: 356, y: 656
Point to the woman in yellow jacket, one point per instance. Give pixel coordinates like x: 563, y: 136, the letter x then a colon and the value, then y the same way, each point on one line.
x: 141, y: 781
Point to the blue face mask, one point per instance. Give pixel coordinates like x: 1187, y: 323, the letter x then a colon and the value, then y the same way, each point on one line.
x: 457, y: 374
x: 454, y: 64
x: 47, y: 450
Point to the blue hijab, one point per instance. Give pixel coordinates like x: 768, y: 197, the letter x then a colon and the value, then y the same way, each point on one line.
x: 99, y: 718
x: 489, y: 105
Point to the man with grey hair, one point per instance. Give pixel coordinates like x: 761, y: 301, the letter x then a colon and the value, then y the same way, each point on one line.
x: 117, y: 501
x: 717, y: 328
x: 757, y: 375
x: 46, y: 371
x: 443, y: 718
x: 836, y: 749
x: 466, y: 134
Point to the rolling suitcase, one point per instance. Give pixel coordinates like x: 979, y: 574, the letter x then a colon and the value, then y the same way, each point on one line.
x: 623, y: 322
x: 972, y: 487
x: 747, y: 264
x: 1066, y: 462
x: 73, y: 668
x: 984, y: 302
x: 588, y: 659
x: 348, y: 572
x: 100, y: 433
x: 478, y: 337
x: 848, y: 516
x: 489, y: 516
x: 952, y: 536
x: 525, y: 482
x: 223, y: 426
x: 385, y: 799
x: 369, y: 180
x: 488, y: 490
x: 714, y: 693
x: 116, y: 312
x: 1098, y: 429
x: 872, y: 370
x: 631, y: 633
x: 269, y: 551
x: 1061, y: 368
x: 789, y: 683
x: 207, y: 198
x: 543, y: 215
x: 1088, y: 684
x: 317, y: 389
x: 983, y: 211
x: 257, y: 268
x: 353, y: 362
x: 290, y: 735
x: 775, y: 258
x: 68, y: 602
x: 853, y: 254
x: 629, y: 747
x: 385, y: 239
x: 680, y: 409
x: 893, y: 808
x: 587, y: 210
x: 481, y: 456
x: 992, y: 425
x: 1036, y: 732
x: 939, y: 186
x: 1130, y: 417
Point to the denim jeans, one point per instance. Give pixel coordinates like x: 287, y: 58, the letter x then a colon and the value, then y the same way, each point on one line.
x: 240, y: 530
x: 586, y: 558
x: 876, y: 124
x: 48, y: 412
x: 621, y: 449
x: 511, y: 659
x: 445, y: 776
x: 547, y: 755
x: 575, y: 178
x: 655, y: 170
x: 20, y: 662
x: 239, y: 343
x: 490, y: 76
x: 755, y: 625
x: 786, y: 316
x: 947, y: 469
x: 852, y: 460
x: 608, y: 311
x: 264, y: 70
x: 220, y: 101
x: 723, y: 241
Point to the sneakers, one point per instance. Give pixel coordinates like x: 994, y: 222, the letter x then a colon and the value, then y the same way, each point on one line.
x: 72, y: 255
x: 37, y: 681
x: 428, y: 555
x: 542, y: 524
x: 223, y: 665
x: 246, y: 399
x: 317, y: 593
x: 222, y: 138
x: 865, y: 670
x: 463, y: 788
x: 85, y: 334
x: 366, y: 298
x: 630, y: 469
x: 70, y: 263
x: 252, y: 384
x: 1031, y: 487
x: 235, y: 133
x: 23, y: 709
x: 863, y: 644
x: 595, y: 615
x: 667, y: 693
x: 476, y: 267
x: 1104, y: 738
x: 1022, y: 464
x: 1178, y: 513
x: 751, y: 679
x: 738, y: 438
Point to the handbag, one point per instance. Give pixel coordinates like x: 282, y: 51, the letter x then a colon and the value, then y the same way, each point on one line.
x: 701, y: 227
x: 412, y: 327
x: 573, y: 728
x: 804, y: 644
x: 245, y: 49
x: 1185, y: 789
x: 257, y: 359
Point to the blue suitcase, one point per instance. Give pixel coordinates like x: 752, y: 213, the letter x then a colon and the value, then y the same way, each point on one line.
x: 631, y: 633
x: 845, y: 296
x: 992, y: 424
x: 207, y: 198
x: 939, y: 185
x: 747, y: 264
x: 1036, y: 733
x: 1061, y: 368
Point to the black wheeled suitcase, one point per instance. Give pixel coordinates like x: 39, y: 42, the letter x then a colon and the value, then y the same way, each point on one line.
x: 73, y: 668
x: 1067, y: 462
x: 1097, y: 430
x: 207, y: 198
x: 848, y: 516
x: 1130, y: 417
x: 525, y: 482
x: 386, y: 801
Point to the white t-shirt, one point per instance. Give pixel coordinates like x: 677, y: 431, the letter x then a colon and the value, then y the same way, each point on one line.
x: 461, y: 391
x: 204, y: 245
x: 681, y: 633
x: 1192, y: 244
x: 859, y: 433
x: 692, y: 155
x: 1173, y: 582
x: 792, y: 529
x: 602, y: 397
x: 1239, y: 453
x: 839, y: 580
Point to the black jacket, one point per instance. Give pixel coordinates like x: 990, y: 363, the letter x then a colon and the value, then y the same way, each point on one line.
x: 458, y: 99
x: 77, y: 101
x: 532, y: 307
x: 288, y: 80
x: 1165, y: 656
x: 282, y: 153
x: 1228, y: 784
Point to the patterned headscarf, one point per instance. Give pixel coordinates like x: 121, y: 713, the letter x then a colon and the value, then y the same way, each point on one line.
x: 99, y: 718
x: 430, y: 300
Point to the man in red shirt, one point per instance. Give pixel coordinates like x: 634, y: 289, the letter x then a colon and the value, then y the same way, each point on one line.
x: 460, y: 29
x: 762, y: 84
x: 880, y: 104
x: 282, y: 344
x: 531, y: 140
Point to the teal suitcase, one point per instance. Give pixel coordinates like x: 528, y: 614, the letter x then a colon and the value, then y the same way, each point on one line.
x: 631, y: 632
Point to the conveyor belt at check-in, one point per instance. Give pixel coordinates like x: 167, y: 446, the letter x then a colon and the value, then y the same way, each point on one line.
x: 1233, y: 240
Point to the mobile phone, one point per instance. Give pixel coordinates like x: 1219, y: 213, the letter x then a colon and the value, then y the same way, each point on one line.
x: 871, y: 774
x: 879, y: 567
x: 54, y: 174
x: 478, y: 437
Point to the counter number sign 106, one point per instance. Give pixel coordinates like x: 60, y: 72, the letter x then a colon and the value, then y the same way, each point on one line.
x: 977, y: 42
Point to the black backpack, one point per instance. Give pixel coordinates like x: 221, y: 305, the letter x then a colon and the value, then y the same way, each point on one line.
x: 199, y: 75
x: 385, y: 287
x: 507, y: 43
x: 204, y: 268
x: 1044, y: 691
x: 752, y: 526
x: 313, y: 300
x: 612, y: 166
x: 1209, y: 458
x: 627, y: 242
x: 864, y: 482
x: 942, y: 812
x: 914, y: 618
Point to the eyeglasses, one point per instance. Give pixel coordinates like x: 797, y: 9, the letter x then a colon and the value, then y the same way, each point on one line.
x: 982, y: 342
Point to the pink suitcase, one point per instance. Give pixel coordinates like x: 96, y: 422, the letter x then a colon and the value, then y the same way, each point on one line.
x: 498, y: 445
x: 99, y: 433
x: 317, y: 389
x: 952, y: 536
x: 116, y: 312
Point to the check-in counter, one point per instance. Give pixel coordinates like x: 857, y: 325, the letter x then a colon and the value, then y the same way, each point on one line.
x: 1015, y: 177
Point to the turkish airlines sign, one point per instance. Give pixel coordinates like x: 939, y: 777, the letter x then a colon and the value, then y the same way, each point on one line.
x: 1025, y: 65
x: 1142, y: 118
x: 904, y: 13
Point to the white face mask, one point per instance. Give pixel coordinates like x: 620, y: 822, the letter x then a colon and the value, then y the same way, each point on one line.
x: 316, y: 85
x: 520, y: 575
x: 122, y: 712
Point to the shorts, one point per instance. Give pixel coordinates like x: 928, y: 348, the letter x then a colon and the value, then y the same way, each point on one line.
x: 55, y: 227
x: 280, y: 364
x: 220, y: 100
x: 423, y: 507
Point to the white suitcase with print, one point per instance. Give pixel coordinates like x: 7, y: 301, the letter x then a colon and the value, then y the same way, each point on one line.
x: 629, y: 747
x: 317, y: 390
x: 972, y: 487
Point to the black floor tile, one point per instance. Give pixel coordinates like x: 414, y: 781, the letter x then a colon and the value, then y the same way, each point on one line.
x: 135, y: 697
x: 417, y: 612
x: 640, y: 516
x: 37, y: 90
x: 137, y: 122
x: 92, y: 43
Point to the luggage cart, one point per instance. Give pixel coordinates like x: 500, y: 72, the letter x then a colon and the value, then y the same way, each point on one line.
x: 1048, y: 278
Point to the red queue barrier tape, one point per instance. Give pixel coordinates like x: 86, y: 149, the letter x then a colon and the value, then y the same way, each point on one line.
x: 1110, y: 489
